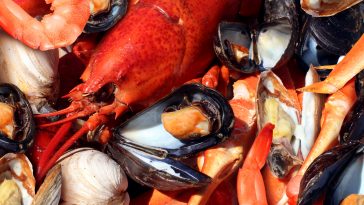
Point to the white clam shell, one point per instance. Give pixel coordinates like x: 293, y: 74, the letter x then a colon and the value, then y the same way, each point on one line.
x: 92, y: 177
x: 17, y: 167
x: 35, y: 72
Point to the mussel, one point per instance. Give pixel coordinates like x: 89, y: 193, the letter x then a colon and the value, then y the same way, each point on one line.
x: 33, y: 71
x: 338, y: 171
x: 353, y: 128
x: 151, y: 152
x: 102, y: 20
x: 16, y: 120
x: 325, y: 39
x: 250, y: 48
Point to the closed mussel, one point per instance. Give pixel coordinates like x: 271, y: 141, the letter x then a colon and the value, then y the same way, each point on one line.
x: 249, y: 48
x: 325, y: 39
x: 16, y: 120
x: 353, y: 128
x: 337, y: 172
x: 151, y: 145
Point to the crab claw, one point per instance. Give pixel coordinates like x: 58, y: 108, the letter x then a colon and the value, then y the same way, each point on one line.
x: 250, y: 178
x: 351, y: 65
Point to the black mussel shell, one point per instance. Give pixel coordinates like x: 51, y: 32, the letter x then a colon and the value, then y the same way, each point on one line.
x: 325, y: 39
x: 145, y: 143
x: 230, y: 34
x: 160, y: 173
x: 325, y: 169
x: 105, y: 20
x: 260, y: 47
x: 24, y: 124
x: 353, y: 126
x: 349, y: 182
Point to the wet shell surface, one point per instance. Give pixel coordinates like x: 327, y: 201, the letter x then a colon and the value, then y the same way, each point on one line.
x: 145, y: 142
x: 325, y: 39
x: 17, y: 127
x: 250, y: 48
x: 295, y: 132
x: 17, y: 168
x: 326, y: 7
x: 35, y: 72
x: 92, y: 177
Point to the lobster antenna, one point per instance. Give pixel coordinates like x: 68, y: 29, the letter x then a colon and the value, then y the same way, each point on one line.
x: 58, y: 137
x: 67, y: 110
x: 67, y: 119
x: 93, y: 122
x: 52, y: 161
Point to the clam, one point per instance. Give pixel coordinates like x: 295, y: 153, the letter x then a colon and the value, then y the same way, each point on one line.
x: 92, y: 177
x: 34, y: 72
x: 105, y: 14
x: 17, y: 182
x: 250, y: 48
x: 17, y: 126
x: 294, y: 132
x: 326, y: 7
x: 151, y: 145
x: 326, y: 39
x: 49, y: 193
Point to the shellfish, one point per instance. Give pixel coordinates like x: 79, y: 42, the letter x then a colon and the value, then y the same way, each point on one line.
x: 143, y: 142
x: 17, y: 126
x: 248, y: 48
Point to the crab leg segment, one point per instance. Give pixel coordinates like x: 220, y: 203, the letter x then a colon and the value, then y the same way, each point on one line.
x: 250, y: 183
x: 351, y: 65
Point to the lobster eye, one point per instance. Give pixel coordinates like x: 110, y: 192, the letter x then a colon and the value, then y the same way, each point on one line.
x: 105, y: 94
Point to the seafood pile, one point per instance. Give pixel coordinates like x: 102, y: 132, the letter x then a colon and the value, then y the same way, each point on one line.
x: 181, y: 102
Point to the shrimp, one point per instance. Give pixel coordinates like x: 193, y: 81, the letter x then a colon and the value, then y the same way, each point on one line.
x: 58, y: 29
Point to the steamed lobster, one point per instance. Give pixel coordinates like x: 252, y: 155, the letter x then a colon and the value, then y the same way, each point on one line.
x: 159, y: 45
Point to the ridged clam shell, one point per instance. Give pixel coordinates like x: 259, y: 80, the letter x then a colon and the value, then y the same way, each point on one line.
x: 92, y: 177
x: 35, y: 72
x: 18, y: 168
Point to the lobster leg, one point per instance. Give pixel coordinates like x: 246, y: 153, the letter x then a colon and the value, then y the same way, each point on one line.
x: 250, y: 178
x: 58, y: 137
x: 351, y: 65
x: 94, y: 121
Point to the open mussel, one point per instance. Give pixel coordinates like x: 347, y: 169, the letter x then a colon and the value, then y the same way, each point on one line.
x: 251, y: 48
x: 16, y: 120
x: 151, y: 145
x: 105, y: 15
x: 338, y: 172
x: 325, y: 39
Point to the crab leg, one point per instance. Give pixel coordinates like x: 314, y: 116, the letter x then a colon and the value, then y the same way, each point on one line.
x: 222, y: 161
x: 335, y: 109
x: 351, y: 65
x: 250, y: 178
